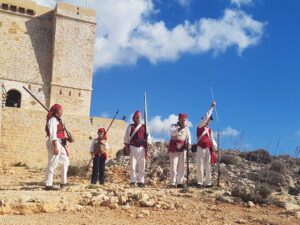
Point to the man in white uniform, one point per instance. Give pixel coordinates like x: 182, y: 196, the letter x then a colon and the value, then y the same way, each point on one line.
x: 136, y: 141
x: 206, y: 146
x: 180, y: 140
x: 56, y: 145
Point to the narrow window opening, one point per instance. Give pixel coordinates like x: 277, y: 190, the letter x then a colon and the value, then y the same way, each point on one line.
x: 30, y: 12
x: 21, y: 10
x: 13, y: 99
x: 13, y: 8
x: 4, y: 6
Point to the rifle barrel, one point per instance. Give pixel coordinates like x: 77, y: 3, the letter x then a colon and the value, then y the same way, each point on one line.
x: 112, y: 121
x: 36, y: 99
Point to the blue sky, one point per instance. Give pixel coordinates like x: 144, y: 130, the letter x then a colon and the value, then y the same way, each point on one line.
x: 247, y: 50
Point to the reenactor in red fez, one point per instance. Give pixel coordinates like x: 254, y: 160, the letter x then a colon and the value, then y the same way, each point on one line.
x: 136, y: 141
x: 206, y: 146
x: 56, y: 145
x: 180, y: 140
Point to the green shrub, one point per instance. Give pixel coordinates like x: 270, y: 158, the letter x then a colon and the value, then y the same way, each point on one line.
x: 278, y: 167
x: 259, y: 155
x: 259, y: 195
x: 77, y: 171
x: 271, y: 177
x: 229, y: 159
x: 20, y: 164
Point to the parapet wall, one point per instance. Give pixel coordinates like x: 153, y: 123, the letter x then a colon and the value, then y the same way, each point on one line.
x: 23, y: 136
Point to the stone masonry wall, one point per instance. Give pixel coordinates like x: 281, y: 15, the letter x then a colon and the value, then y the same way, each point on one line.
x: 26, y: 49
x: 23, y: 136
x: 0, y: 120
x: 75, y: 29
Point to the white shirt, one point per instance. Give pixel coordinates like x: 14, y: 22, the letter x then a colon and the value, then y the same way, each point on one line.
x: 52, y: 126
x: 93, y: 145
x: 203, y: 122
x: 205, y: 117
x: 174, y: 132
x: 127, y: 136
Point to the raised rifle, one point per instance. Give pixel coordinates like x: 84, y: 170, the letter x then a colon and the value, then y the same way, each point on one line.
x: 219, y: 171
x: 187, y: 162
x: 70, y: 137
x: 88, y: 165
x: 145, y: 123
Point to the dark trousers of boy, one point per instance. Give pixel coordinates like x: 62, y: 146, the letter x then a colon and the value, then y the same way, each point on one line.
x: 98, y: 169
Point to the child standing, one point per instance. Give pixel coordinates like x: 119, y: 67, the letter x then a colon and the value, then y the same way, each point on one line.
x: 98, y: 153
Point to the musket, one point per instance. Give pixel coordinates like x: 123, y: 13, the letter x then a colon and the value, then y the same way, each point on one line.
x: 187, y: 163
x: 219, y: 171
x: 145, y: 122
x: 212, y: 97
x: 70, y: 137
x: 88, y: 165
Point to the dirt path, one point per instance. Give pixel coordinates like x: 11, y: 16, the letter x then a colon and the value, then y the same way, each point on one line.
x: 199, y: 207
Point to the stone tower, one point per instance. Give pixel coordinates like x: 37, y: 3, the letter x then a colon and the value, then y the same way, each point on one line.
x: 49, y: 51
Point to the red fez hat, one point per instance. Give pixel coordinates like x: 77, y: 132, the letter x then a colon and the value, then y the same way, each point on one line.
x: 103, y: 130
x: 137, y: 113
x: 182, y: 115
x: 53, y: 110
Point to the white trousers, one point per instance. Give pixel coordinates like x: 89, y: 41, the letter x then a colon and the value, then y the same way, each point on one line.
x: 53, y: 161
x: 177, y: 167
x: 203, y: 160
x: 137, y: 164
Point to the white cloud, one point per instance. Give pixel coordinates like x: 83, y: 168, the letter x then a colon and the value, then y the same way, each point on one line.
x: 49, y: 3
x: 161, y: 127
x: 241, y: 2
x: 126, y: 32
x: 105, y: 115
x: 184, y: 3
x: 229, y: 132
x: 154, y: 140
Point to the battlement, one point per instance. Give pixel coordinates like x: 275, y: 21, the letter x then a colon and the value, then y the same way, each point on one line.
x: 23, y: 7
x: 28, y: 7
x: 49, y: 49
x: 75, y: 12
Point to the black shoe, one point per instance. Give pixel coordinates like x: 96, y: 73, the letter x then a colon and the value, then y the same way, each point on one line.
x: 132, y: 184
x: 180, y: 186
x: 199, y: 186
x: 63, y: 186
x: 50, y: 188
x: 208, y: 186
x: 141, y: 185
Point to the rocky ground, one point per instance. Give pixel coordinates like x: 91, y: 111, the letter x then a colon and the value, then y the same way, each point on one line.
x: 255, y: 188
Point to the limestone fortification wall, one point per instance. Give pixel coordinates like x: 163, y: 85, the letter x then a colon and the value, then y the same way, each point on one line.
x: 73, y: 50
x: 23, y: 136
x: 26, y: 50
x: 50, y: 52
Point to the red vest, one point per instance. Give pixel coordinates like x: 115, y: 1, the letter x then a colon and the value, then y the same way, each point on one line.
x: 140, y: 134
x: 181, y: 138
x: 205, y: 141
x: 60, y: 133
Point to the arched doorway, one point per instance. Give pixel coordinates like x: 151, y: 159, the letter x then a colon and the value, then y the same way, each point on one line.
x: 13, y: 98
